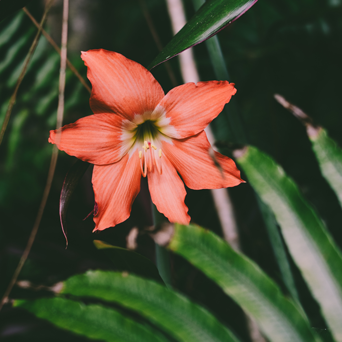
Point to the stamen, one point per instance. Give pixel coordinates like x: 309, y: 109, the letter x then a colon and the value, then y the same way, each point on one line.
x: 158, y: 162
x: 141, y: 165
x: 149, y: 158
x: 150, y: 161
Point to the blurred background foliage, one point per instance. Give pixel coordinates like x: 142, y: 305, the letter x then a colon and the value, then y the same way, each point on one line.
x: 290, y: 47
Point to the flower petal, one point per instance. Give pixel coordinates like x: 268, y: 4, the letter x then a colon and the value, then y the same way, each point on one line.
x: 120, y: 85
x: 191, y: 107
x: 192, y: 160
x: 115, y: 187
x: 168, y: 192
x: 97, y: 139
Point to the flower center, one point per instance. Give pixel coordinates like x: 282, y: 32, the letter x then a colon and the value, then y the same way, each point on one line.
x: 149, y: 155
x: 147, y: 130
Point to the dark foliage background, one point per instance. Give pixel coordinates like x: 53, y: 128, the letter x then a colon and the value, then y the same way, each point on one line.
x: 288, y: 47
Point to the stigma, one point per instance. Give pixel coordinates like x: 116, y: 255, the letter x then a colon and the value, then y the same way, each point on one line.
x: 150, y: 158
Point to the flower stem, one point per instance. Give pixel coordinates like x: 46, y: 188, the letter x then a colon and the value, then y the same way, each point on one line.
x: 163, y: 259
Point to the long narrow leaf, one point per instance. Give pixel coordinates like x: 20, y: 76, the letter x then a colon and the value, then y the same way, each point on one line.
x: 309, y: 243
x: 278, y: 249
x: 241, y: 279
x: 94, y: 321
x: 329, y: 157
x: 211, y: 18
x: 171, y: 311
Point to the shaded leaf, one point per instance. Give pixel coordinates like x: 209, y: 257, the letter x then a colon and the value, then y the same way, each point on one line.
x: 329, y: 157
x: 8, y: 7
x: 211, y: 18
x: 173, y: 312
x: 71, y: 180
x: 93, y: 321
x: 309, y: 243
x: 278, y: 318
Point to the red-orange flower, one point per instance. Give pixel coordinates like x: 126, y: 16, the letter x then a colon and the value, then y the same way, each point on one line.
x: 138, y: 130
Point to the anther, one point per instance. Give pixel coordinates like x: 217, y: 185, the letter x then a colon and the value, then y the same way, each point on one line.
x: 154, y: 147
x: 140, y: 154
x: 146, y: 145
x: 159, y: 152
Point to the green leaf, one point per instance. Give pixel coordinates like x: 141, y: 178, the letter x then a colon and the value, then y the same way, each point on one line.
x: 329, y: 157
x: 309, y: 243
x: 125, y: 260
x: 7, y: 33
x: 278, y: 249
x: 278, y: 318
x: 93, y: 321
x: 71, y: 180
x: 228, y: 125
x: 211, y: 18
x: 171, y: 311
x: 8, y: 7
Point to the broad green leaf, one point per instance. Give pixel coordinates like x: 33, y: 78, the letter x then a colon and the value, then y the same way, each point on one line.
x: 211, y: 18
x: 8, y: 7
x: 278, y: 318
x: 309, y: 243
x: 125, y: 260
x: 278, y: 249
x: 329, y: 157
x: 93, y: 321
x: 71, y: 180
x: 171, y: 311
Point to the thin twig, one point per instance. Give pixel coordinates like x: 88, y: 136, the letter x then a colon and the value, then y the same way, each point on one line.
x: 157, y: 41
x: 55, y: 46
x: 23, y: 71
x: 53, y: 162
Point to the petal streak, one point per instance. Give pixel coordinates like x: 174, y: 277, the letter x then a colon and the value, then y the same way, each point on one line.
x: 120, y: 85
x: 192, y: 107
x: 192, y: 160
x: 168, y: 193
x: 115, y: 187
x: 96, y: 139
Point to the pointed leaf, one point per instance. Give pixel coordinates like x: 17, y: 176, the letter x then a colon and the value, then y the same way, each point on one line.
x: 126, y: 260
x: 329, y: 157
x: 309, y: 243
x: 278, y: 249
x: 278, y: 318
x: 174, y: 313
x: 71, y: 180
x: 211, y: 18
x: 93, y: 321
